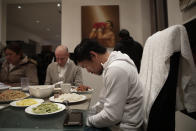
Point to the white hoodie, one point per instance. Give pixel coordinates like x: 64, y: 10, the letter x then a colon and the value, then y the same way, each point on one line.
x: 121, y: 100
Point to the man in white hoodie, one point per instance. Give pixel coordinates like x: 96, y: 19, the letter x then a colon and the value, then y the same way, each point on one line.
x: 121, y: 101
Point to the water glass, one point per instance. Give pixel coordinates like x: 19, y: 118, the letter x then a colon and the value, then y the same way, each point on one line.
x: 65, y: 87
x: 25, y: 83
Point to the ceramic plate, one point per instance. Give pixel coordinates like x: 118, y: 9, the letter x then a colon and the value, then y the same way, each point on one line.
x: 71, y: 97
x: 14, y: 103
x: 15, y: 88
x: 27, y: 95
x: 29, y: 109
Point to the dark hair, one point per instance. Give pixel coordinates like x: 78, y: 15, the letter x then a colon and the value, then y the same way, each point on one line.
x: 82, y: 51
x: 15, y: 47
x: 124, y: 34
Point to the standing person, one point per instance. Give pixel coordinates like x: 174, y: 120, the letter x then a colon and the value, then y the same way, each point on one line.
x: 129, y: 46
x: 63, y: 69
x: 16, y: 66
x: 121, y: 100
x: 103, y: 33
x: 44, y: 59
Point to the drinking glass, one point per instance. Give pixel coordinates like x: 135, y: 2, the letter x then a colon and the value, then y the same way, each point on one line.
x: 25, y: 83
x: 65, y: 87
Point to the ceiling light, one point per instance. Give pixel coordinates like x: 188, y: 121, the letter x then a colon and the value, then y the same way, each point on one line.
x: 19, y: 7
x: 58, y: 4
x: 37, y: 21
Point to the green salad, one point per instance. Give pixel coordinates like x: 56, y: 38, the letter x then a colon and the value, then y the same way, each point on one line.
x: 46, y: 107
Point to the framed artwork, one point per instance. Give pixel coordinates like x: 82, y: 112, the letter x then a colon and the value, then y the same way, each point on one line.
x: 101, y: 23
x: 184, y: 4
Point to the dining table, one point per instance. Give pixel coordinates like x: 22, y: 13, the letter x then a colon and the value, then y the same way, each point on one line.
x: 16, y: 119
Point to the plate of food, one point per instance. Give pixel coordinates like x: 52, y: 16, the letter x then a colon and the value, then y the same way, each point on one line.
x: 81, y: 89
x: 45, y: 108
x: 71, y: 97
x: 11, y: 95
x: 26, y: 102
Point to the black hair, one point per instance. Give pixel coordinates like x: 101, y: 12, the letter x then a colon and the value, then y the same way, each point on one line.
x: 82, y: 51
x: 124, y: 34
x: 15, y: 47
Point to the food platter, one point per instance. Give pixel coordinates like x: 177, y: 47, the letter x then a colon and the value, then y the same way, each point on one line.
x: 29, y: 109
x: 74, y: 90
x: 71, y: 97
x: 26, y: 102
x: 10, y: 100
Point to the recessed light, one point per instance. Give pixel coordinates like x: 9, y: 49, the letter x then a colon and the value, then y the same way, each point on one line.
x: 37, y: 21
x: 58, y: 4
x: 19, y: 6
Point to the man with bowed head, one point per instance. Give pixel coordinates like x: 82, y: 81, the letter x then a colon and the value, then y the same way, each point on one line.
x: 121, y: 100
x: 63, y: 69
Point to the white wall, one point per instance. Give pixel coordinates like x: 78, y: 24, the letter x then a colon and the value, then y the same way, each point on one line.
x: 176, y: 16
x: 131, y: 18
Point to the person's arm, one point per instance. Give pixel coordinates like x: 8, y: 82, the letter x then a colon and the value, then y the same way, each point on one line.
x: 93, y: 33
x: 78, y: 77
x: 110, y: 36
x: 116, y: 94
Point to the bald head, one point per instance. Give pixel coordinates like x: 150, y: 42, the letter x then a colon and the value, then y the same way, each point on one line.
x: 61, y: 48
x: 62, y: 55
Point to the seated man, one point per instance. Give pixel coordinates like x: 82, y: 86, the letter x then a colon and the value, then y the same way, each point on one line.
x: 122, y: 96
x: 63, y: 69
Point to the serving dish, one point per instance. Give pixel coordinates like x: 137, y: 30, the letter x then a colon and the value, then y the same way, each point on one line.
x: 74, y: 90
x: 71, y: 97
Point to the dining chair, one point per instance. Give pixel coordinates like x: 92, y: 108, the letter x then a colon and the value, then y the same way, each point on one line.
x: 167, y: 69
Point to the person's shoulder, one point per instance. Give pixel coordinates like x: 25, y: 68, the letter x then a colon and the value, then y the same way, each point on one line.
x: 52, y: 64
x: 72, y: 63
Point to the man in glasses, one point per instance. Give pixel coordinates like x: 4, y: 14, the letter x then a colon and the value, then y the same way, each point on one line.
x: 63, y: 69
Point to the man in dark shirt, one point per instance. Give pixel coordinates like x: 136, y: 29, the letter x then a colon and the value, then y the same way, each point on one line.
x: 129, y: 46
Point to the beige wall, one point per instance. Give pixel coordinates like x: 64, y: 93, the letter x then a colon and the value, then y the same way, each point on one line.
x: 134, y: 16
x: 176, y: 16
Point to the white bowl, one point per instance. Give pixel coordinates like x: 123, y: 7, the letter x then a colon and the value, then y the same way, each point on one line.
x: 41, y: 91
